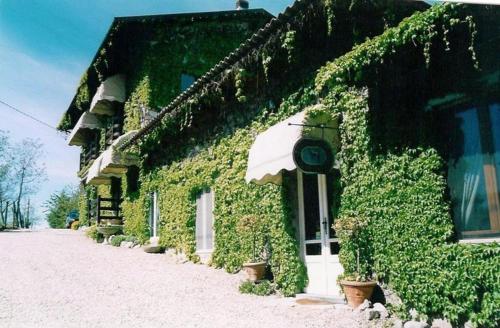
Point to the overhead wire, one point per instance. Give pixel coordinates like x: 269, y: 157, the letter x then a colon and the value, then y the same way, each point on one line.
x: 28, y: 116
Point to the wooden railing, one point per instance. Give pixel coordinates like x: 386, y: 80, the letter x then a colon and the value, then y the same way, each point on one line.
x: 89, y: 153
x: 114, y: 129
x: 105, y: 210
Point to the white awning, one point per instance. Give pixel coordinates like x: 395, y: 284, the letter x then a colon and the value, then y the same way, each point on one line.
x: 80, y: 132
x: 111, y: 90
x: 112, y: 162
x: 272, y: 150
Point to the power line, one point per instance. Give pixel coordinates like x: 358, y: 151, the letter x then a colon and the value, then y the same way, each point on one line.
x: 28, y: 115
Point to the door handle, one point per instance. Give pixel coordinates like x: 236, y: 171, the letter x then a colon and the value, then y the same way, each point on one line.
x: 325, y: 225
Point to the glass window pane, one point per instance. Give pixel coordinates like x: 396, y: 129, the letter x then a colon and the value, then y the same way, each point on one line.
x: 313, y: 249
x: 333, y: 194
x: 186, y: 81
x: 334, y: 248
x: 473, y: 170
x: 465, y: 174
x: 495, y: 128
x: 311, y: 207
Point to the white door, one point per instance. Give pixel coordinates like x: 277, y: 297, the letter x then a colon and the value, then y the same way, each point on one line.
x: 319, y: 246
x: 154, y: 216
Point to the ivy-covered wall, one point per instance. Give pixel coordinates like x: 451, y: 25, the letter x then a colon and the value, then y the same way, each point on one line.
x: 163, y: 46
x: 393, y: 181
x: 209, y: 148
x: 398, y: 190
x: 221, y: 165
x: 406, y: 239
x: 153, y: 53
x: 156, y: 66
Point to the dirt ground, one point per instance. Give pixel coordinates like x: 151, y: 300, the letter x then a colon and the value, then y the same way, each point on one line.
x: 60, y: 278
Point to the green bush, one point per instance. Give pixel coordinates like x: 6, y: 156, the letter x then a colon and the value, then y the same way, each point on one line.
x: 261, y: 288
x: 117, y: 240
x: 92, y: 232
x: 246, y: 287
x: 75, y: 225
x: 133, y: 239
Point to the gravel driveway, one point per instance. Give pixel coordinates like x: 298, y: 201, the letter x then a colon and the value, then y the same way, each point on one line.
x: 60, y: 278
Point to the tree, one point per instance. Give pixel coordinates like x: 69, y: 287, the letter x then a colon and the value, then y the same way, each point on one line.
x: 4, y: 171
x: 27, y: 174
x: 59, y: 205
x: 21, y: 173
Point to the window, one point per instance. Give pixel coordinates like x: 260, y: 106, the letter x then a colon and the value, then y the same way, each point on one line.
x: 133, y: 179
x: 186, y: 81
x: 154, y: 215
x: 204, y: 222
x: 474, y: 170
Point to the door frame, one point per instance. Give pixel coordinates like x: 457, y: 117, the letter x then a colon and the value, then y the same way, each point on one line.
x: 326, y: 259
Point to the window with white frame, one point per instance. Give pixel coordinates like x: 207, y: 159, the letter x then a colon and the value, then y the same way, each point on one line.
x: 474, y: 170
x: 154, y: 215
x: 204, y: 221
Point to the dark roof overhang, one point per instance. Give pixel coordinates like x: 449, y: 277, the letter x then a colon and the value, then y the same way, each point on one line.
x: 193, y: 17
x: 246, y: 48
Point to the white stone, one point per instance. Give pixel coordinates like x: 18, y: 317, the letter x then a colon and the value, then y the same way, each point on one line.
x: 171, y: 252
x: 468, y: 324
x: 415, y: 324
x: 390, y: 296
x: 413, y: 314
x: 397, y: 323
x: 381, y: 309
x: 127, y: 244
x: 363, y: 306
x: 440, y: 323
x: 371, y: 314
x: 181, y: 258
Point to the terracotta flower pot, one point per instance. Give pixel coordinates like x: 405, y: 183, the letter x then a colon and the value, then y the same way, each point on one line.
x: 356, y: 292
x: 255, y: 271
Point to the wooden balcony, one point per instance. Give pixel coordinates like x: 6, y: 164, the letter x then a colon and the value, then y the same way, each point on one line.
x: 88, y: 154
x: 114, y: 129
x: 105, y: 211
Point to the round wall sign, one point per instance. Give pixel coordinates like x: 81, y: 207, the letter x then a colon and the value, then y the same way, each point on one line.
x: 313, y: 155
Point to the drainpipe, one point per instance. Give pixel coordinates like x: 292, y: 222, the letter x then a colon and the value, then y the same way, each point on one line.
x: 241, y: 4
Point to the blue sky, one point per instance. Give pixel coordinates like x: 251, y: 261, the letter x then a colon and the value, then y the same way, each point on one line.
x: 45, y: 46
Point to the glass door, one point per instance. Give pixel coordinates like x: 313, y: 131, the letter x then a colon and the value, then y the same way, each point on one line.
x: 318, y: 243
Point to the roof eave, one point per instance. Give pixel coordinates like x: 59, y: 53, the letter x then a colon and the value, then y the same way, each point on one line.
x: 119, y: 19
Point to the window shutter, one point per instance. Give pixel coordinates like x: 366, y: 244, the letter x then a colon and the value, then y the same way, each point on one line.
x: 209, y: 233
x: 156, y: 221
x: 204, y: 221
x: 199, y: 222
x: 151, y: 213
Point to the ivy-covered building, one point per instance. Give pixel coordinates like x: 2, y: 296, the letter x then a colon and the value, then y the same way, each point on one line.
x: 398, y: 100
x: 142, y: 64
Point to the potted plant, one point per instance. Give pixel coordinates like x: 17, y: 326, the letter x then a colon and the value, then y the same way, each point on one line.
x: 255, y: 268
x: 357, y: 285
